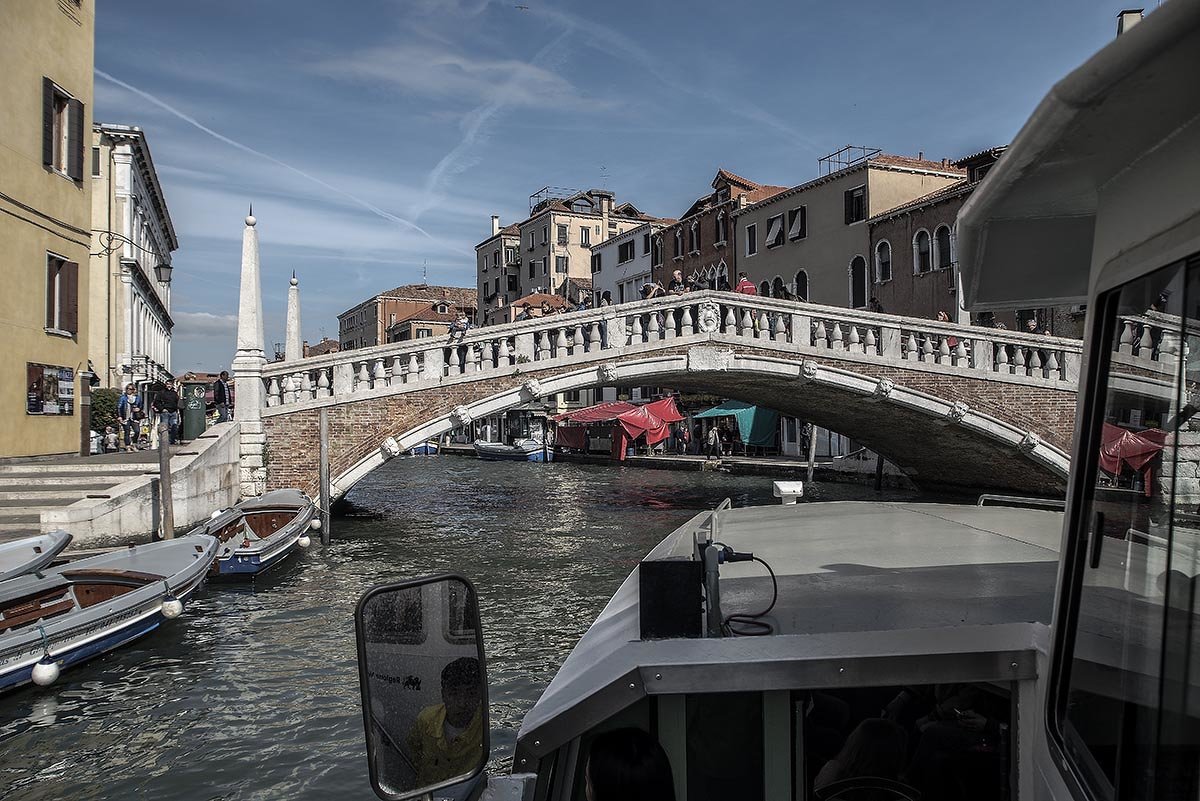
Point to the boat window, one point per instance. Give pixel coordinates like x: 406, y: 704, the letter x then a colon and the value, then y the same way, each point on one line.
x: 459, y: 625
x: 1126, y: 703
x: 937, y: 741
x: 724, y: 746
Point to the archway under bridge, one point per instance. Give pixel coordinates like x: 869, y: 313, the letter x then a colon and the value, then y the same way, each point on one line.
x: 943, y: 429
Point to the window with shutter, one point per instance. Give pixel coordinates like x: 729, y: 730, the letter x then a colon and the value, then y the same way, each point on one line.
x: 62, y: 295
x: 74, y: 140
x: 798, y: 223
x: 775, y: 231
x: 856, y: 204
x: 751, y: 239
x: 48, y: 127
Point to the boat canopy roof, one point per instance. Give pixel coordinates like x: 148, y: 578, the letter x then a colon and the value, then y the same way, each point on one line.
x: 1105, y: 163
x: 756, y: 425
x: 906, y: 591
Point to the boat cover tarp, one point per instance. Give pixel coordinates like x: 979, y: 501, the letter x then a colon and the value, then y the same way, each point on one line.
x: 629, y: 421
x: 756, y: 425
x: 1136, y: 449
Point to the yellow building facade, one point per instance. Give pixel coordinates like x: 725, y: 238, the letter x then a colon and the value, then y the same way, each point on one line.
x: 46, y: 58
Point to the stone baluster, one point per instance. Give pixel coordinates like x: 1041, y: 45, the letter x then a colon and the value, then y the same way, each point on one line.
x: 543, y: 344
x: 1002, y: 365
x: 746, y: 324
x: 910, y: 347
x: 453, y: 361
x: 636, y: 334
x: 927, y: 348
x: 820, y: 335
x: 306, y: 385
x: 687, y: 325
x: 729, y: 324
x: 943, y: 352
x: 503, y: 354
x: 396, y: 372
x: 1035, y: 362
x: 362, y: 379
x: 669, y: 325
x: 1168, y: 346
x: 653, y: 331
x: 476, y: 356
x: 854, y: 340
x: 1125, y: 343
x: 594, y: 335
x: 295, y: 388
x: 870, y: 343
x: 577, y: 340
x: 379, y: 375
x: 1052, y: 367
x: 343, y: 378
x: 323, y: 390
x: 413, y: 373
x: 273, y: 398
x: 960, y: 353
x: 779, y: 331
x: 1018, y: 363
x: 837, y: 339
x: 764, y: 325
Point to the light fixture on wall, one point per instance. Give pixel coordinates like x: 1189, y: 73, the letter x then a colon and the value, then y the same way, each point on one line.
x: 111, y: 241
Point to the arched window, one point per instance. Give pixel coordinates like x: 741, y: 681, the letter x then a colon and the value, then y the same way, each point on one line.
x: 941, y: 245
x: 922, y: 258
x: 694, y: 238
x: 722, y: 275
x: 858, y: 283
x: 678, y: 242
x: 722, y: 223
x: 764, y: 289
x: 777, y: 288
x: 802, y: 285
x: 883, y: 262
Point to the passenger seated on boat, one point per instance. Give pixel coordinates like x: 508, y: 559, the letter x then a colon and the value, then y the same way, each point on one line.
x: 958, y: 739
x: 877, y: 747
x: 628, y: 765
x: 447, y: 739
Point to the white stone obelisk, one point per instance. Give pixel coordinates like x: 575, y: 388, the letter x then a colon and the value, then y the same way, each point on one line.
x: 248, y: 366
x: 293, y: 347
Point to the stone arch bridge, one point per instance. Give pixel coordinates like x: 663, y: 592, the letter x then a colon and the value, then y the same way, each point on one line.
x: 950, y: 405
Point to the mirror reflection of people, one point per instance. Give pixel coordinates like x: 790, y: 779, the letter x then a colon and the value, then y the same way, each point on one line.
x: 877, y: 748
x: 628, y: 765
x: 447, y: 739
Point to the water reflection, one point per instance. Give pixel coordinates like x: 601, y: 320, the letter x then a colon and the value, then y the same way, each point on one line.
x: 253, y: 693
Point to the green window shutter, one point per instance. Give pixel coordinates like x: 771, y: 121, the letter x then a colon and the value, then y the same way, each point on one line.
x: 47, y: 122
x: 75, y: 140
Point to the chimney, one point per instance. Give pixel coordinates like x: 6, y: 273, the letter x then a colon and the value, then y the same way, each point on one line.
x: 1127, y: 19
x: 920, y: 155
x: 495, y: 224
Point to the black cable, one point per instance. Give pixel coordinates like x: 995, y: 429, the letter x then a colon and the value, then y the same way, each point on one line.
x: 751, y: 625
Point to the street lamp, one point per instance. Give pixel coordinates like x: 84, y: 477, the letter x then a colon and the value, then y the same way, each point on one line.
x: 111, y: 241
x: 163, y: 273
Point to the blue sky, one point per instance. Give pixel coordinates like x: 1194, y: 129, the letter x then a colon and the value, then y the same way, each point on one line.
x: 375, y: 138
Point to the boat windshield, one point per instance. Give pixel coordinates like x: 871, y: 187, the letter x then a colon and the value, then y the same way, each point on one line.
x: 1128, y: 696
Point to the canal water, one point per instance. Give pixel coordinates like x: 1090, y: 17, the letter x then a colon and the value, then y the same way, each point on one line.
x: 253, y: 693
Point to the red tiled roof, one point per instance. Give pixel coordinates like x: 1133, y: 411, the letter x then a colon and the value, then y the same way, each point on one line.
x: 536, y: 298
x: 734, y: 178
x: 465, y: 297
x: 326, y: 345
x: 888, y: 160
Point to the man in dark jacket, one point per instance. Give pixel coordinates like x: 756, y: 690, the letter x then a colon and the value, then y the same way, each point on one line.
x: 223, y: 397
x: 166, y: 403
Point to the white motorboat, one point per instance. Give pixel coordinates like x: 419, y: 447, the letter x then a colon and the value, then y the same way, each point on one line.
x: 522, y: 450
x: 30, y: 554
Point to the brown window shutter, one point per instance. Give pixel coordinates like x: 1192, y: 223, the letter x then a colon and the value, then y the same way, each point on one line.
x: 75, y: 140
x: 51, y: 277
x: 47, y: 122
x: 68, y: 298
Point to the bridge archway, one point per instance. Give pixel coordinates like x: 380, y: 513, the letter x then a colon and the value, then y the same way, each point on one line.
x: 937, y: 442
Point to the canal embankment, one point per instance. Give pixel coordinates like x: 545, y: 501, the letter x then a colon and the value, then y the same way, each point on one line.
x: 117, y: 494
x: 850, y: 470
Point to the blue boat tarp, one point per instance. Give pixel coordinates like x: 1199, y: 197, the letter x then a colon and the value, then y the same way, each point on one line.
x: 756, y: 425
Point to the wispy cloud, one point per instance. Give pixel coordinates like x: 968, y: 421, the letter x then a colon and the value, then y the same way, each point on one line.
x: 371, y: 207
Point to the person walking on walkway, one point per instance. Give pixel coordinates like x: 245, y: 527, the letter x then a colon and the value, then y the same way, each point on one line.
x: 223, y: 397
x: 129, y: 410
x: 713, y: 441
x: 166, y: 403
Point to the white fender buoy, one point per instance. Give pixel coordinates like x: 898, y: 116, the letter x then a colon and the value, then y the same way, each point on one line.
x: 315, y: 524
x: 45, y: 672
x: 172, y: 607
x: 215, y: 515
x: 304, y: 541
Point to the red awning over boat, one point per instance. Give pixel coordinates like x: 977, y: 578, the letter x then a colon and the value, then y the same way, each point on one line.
x: 652, y: 419
x: 1136, y: 449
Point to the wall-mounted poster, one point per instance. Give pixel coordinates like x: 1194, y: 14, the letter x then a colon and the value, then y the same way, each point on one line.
x: 51, y: 390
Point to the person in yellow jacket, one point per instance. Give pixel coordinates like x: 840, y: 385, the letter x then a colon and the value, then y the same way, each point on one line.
x: 447, y: 739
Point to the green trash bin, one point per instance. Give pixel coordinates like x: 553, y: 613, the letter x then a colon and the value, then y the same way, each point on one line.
x: 194, y: 414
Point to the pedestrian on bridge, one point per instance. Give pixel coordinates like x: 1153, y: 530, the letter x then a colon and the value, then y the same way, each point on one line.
x: 744, y: 285
x: 223, y: 397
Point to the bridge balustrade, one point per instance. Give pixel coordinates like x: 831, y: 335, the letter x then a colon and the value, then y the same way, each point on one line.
x: 789, y: 327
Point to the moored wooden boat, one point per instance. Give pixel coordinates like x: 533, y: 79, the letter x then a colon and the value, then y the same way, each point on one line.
x: 30, y: 554
x: 259, y: 534
x: 427, y: 448
x: 66, y: 615
x: 523, y: 450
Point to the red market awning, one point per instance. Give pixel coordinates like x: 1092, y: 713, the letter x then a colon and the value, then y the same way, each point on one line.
x: 1120, y: 446
x: 652, y: 419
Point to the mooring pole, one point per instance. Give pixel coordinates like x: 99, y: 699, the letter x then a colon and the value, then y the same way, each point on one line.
x: 543, y: 440
x: 812, y: 449
x: 878, y: 472
x: 166, y: 501
x: 326, y: 517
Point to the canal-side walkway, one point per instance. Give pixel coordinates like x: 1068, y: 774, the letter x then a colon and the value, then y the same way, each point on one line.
x: 116, y: 493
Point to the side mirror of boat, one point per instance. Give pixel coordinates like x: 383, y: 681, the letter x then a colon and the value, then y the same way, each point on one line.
x: 423, y: 677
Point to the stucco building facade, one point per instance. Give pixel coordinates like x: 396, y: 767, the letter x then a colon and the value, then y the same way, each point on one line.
x: 132, y: 239
x: 812, y: 241
x: 366, y: 324
x: 497, y: 267
x: 46, y: 57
